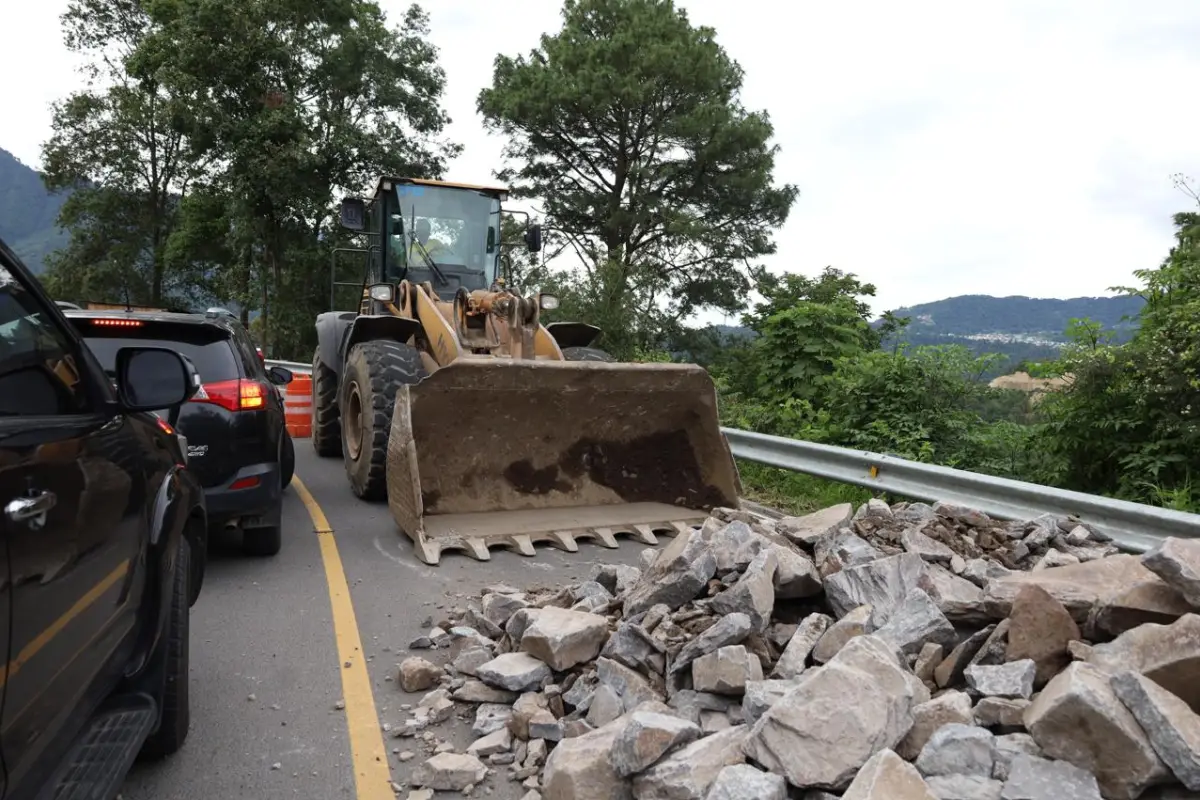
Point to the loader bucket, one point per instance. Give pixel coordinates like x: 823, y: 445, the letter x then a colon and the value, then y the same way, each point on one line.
x: 495, y: 451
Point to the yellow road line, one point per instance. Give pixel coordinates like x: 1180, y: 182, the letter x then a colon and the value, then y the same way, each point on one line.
x: 372, y: 773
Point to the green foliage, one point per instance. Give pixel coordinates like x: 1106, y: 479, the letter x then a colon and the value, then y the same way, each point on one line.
x: 626, y: 125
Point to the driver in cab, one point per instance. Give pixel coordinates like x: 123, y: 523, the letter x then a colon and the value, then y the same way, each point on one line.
x: 424, y: 243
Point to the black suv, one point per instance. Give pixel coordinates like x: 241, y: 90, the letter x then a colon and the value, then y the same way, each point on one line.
x: 103, y: 553
x: 237, y: 439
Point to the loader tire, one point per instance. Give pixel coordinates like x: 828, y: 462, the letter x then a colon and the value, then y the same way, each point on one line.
x: 326, y: 424
x: 374, y: 370
x: 585, y: 354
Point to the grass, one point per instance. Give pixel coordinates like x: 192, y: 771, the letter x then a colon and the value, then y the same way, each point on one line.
x: 795, y: 492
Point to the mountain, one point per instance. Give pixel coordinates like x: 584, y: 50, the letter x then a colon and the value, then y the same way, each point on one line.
x: 28, y: 213
x: 1021, y: 328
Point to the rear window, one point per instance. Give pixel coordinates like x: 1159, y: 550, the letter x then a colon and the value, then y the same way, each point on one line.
x: 208, y: 348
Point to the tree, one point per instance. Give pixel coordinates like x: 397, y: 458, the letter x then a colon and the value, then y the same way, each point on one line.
x: 781, y: 292
x: 293, y: 103
x: 121, y: 148
x: 627, y: 127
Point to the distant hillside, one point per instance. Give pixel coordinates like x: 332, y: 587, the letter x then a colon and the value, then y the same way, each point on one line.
x: 1021, y: 328
x: 28, y: 213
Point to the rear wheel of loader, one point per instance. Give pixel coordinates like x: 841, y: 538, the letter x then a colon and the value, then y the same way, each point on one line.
x: 586, y: 354
x: 326, y: 426
x: 374, y: 371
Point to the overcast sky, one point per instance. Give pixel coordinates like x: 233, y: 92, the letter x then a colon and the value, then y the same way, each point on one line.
x: 941, y: 148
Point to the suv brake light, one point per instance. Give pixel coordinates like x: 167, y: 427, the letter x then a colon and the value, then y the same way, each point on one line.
x: 234, y: 395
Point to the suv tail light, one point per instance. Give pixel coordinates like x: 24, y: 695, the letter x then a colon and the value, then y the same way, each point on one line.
x: 234, y: 395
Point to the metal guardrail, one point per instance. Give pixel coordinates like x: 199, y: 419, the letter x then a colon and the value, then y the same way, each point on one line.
x: 1134, y: 527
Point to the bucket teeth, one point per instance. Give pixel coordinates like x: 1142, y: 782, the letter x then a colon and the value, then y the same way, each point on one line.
x: 430, y: 548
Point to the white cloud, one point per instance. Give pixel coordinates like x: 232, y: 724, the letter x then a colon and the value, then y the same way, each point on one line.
x: 941, y: 148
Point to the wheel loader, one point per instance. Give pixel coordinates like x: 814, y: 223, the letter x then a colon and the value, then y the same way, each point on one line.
x: 444, y: 393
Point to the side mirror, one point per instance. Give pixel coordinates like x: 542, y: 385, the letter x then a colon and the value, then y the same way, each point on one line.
x: 280, y: 376
x: 154, y: 378
x: 533, y: 238
x: 491, y: 240
x: 353, y: 215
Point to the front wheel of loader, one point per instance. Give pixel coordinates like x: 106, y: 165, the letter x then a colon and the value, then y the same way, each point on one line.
x: 586, y: 354
x: 374, y: 370
x: 326, y: 426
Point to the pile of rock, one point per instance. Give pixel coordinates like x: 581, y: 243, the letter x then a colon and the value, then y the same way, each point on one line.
x: 899, y: 652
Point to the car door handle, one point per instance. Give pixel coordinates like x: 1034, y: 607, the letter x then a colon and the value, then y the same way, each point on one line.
x: 32, y: 509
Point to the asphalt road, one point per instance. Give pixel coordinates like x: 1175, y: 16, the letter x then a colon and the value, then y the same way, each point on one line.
x: 276, y: 683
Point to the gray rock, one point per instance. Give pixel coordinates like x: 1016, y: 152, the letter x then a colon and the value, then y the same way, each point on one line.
x: 490, y: 717
x: 634, y: 647
x: 1014, y: 679
x: 473, y: 691
x: 578, y: 768
x: 562, y: 639
x: 735, y: 545
x: 449, y: 772
x: 471, y: 659
x: 930, y: 655
x: 981, y: 570
x: 1008, y: 747
x: 605, y: 706
x: 968, y: 516
x: 521, y: 619
x: 918, y: 620
x: 1169, y: 655
x: 1078, y: 718
x: 964, y: 787
x: 753, y: 594
x: 841, y: 549
x: 688, y: 774
x: 796, y: 575
x: 726, y: 671
x: 817, y: 736
x: 885, y: 776
x: 630, y: 686
x: 647, y: 737
x: 615, y: 578
x: 930, y: 716
x: 883, y: 584
x: 1000, y: 712
x: 744, y: 782
x: 1177, y: 562
x: 498, y: 608
x: 958, y: 749
x: 856, y: 623
x: 544, y: 726
x: 959, y: 599
x: 579, y: 696
x: 933, y: 551
x: 809, y: 528
x: 795, y: 656
x: 499, y: 741
x: 1172, y: 727
x: 516, y: 672
x: 950, y: 670
x: 761, y: 695
x: 1032, y: 778
x: 730, y: 629
x: 679, y: 575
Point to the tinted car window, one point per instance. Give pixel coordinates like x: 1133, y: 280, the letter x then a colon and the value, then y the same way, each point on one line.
x: 207, y: 347
x: 38, y: 372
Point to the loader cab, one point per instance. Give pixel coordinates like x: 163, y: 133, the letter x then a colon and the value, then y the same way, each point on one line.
x: 445, y: 233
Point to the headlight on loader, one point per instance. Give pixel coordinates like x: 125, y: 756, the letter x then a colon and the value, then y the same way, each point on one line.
x: 383, y: 292
x: 548, y: 302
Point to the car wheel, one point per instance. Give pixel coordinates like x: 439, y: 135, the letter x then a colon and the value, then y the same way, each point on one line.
x: 176, y: 712
x: 262, y: 541
x: 287, y: 461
